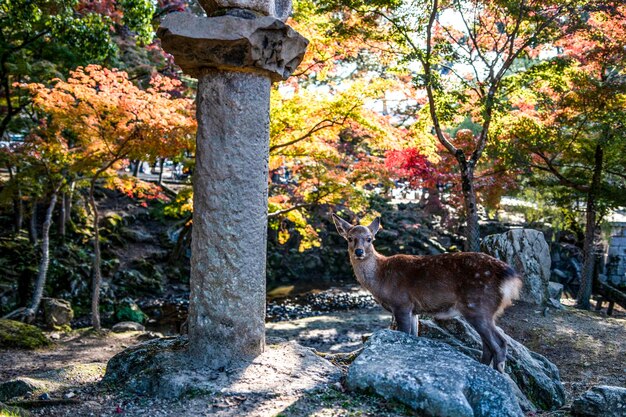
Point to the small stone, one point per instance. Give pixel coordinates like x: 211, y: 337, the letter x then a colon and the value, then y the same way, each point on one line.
x: 150, y: 336
x: 44, y: 397
x: 69, y: 395
x: 128, y: 326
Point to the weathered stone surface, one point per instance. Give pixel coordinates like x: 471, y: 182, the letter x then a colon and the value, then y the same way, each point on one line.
x: 537, y: 378
x: 528, y: 253
x: 19, y: 387
x: 430, y: 377
x: 556, y: 290
x: 280, y: 9
x: 57, y: 312
x: 601, y: 401
x: 15, y: 334
x: 127, y: 326
x: 51, y: 381
x: 162, y: 367
x: 227, y: 301
x: 264, y: 45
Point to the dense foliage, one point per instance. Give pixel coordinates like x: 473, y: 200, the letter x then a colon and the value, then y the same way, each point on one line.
x: 463, y: 102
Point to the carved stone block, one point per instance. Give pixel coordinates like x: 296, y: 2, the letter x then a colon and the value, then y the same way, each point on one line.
x: 262, y: 45
x: 280, y: 9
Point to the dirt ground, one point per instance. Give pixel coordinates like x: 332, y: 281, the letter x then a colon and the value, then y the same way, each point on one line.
x: 588, y: 347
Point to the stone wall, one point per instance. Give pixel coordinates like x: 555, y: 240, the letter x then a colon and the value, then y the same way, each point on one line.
x: 616, y: 255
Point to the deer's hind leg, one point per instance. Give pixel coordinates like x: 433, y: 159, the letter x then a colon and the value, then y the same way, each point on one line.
x: 500, y: 357
x: 492, y: 350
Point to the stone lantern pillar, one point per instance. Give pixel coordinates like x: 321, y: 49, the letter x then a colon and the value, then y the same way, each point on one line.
x: 236, y: 53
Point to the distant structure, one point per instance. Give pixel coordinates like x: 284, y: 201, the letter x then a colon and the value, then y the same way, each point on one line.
x: 615, y: 257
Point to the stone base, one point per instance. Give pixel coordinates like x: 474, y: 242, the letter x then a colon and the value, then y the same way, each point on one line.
x: 162, y: 368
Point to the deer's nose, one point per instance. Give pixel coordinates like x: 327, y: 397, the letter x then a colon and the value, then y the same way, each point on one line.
x: 358, y: 252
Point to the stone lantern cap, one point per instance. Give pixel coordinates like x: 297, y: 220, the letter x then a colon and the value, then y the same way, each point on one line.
x: 280, y: 9
x: 232, y: 43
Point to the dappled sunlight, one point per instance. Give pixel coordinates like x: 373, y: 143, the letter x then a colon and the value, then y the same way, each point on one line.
x: 341, y: 331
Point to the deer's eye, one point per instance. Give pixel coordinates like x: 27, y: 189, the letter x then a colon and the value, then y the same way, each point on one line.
x: 350, y: 239
x: 369, y: 239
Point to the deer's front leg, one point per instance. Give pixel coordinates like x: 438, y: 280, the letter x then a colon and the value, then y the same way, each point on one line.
x: 414, y: 324
x: 404, y: 319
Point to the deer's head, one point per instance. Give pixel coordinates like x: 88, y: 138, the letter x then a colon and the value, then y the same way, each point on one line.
x: 359, y: 237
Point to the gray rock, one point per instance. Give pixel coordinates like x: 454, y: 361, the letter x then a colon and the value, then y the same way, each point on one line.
x: 431, y: 377
x: 163, y: 367
x: 150, y: 336
x: 135, y: 235
x: 280, y: 9
x: 528, y: 253
x: 537, y: 378
x: 556, y: 290
x: 128, y: 326
x: 263, y: 45
x: 57, y: 312
x: 19, y: 387
x: 601, y: 401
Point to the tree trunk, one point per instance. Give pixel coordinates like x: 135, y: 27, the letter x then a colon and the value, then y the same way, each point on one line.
x: 586, y: 277
x: 136, y: 168
x: 161, y: 163
x: 32, y: 235
x: 68, y: 202
x: 97, y: 275
x: 45, y: 260
x: 472, y: 234
x: 62, y: 215
x: 18, y: 206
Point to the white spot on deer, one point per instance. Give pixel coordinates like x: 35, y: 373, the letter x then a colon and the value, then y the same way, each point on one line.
x: 487, y: 273
x: 477, y: 275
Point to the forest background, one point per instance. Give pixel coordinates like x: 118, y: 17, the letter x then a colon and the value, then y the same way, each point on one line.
x: 463, y: 102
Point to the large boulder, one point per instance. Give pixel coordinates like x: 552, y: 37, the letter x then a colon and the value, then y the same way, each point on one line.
x: 527, y: 251
x: 57, y: 312
x: 162, y: 367
x: 601, y: 401
x: 431, y: 377
x: 537, y: 377
x: 15, y: 334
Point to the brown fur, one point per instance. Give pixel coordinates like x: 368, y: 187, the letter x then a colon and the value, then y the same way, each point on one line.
x: 474, y: 285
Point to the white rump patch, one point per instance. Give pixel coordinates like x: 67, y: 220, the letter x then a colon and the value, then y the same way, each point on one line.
x: 510, y: 291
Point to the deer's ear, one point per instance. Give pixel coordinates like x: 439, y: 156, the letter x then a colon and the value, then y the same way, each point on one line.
x: 374, y: 226
x: 342, y: 226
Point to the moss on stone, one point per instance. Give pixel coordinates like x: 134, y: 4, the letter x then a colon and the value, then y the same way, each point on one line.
x: 15, y: 334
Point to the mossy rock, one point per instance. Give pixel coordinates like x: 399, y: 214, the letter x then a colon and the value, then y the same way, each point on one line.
x: 15, y: 334
x: 128, y: 310
x: 9, y: 411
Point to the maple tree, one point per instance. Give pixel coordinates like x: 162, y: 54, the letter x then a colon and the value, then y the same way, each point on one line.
x: 109, y: 119
x: 460, y: 54
x: 571, y: 125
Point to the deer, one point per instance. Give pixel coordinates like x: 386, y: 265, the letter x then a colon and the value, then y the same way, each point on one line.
x: 473, y: 285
